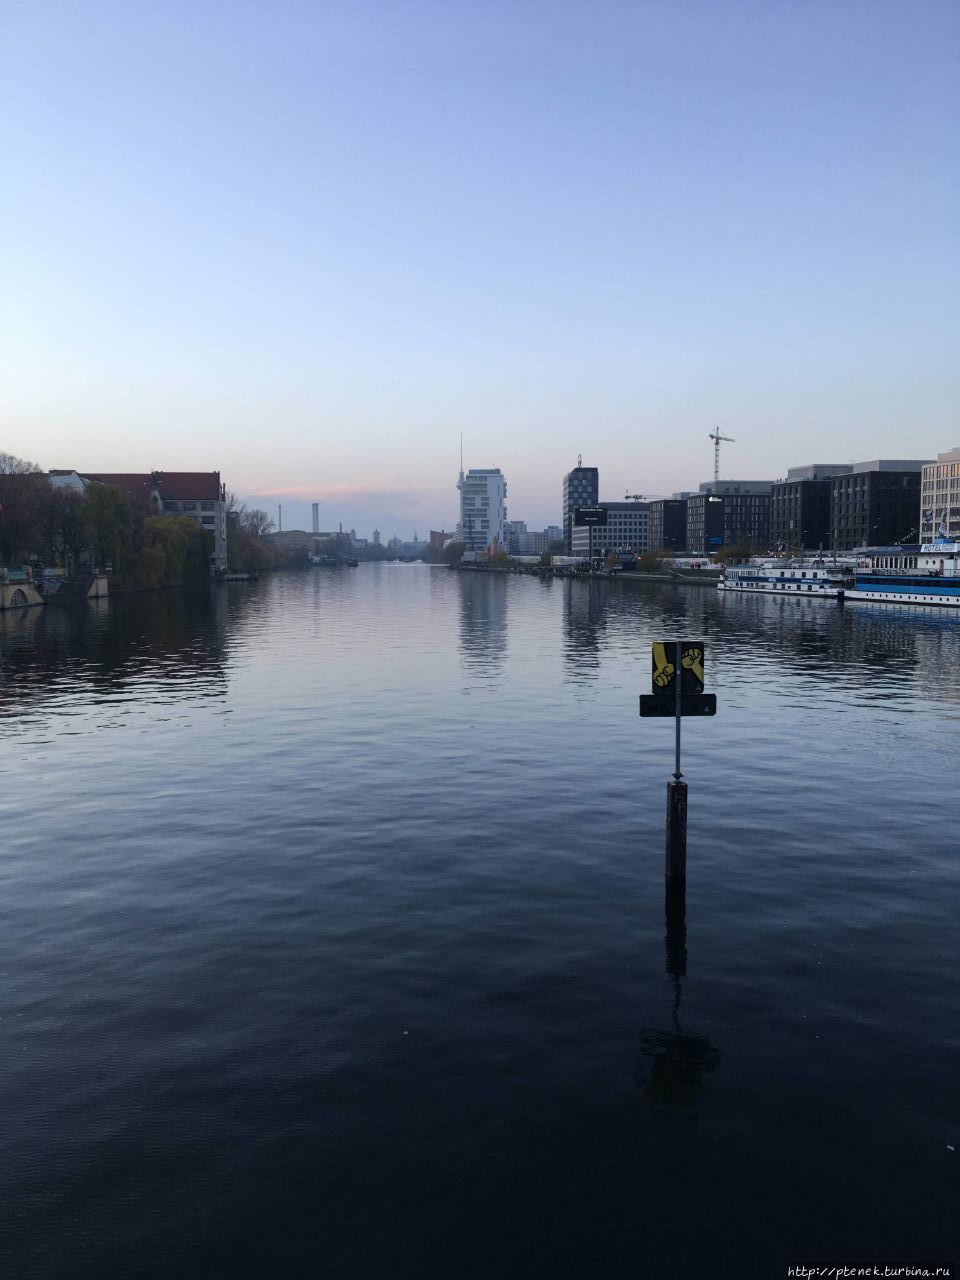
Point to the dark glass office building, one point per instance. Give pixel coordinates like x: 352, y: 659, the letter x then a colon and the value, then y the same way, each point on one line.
x: 877, y: 505
x: 581, y: 488
x: 800, y: 507
x: 668, y: 524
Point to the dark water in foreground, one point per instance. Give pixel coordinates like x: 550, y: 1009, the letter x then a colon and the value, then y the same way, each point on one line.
x: 333, y: 937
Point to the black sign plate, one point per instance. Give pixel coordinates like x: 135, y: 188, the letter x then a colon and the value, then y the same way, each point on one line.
x: 665, y: 704
x: 589, y: 515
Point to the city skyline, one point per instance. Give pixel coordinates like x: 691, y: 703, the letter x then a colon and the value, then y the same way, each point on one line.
x: 311, y: 249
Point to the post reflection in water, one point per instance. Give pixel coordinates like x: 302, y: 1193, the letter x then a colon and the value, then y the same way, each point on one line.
x: 676, y: 1063
x: 584, y: 628
x: 483, y: 622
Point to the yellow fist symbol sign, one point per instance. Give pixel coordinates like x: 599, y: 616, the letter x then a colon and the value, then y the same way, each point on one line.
x: 693, y: 661
x: 663, y: 668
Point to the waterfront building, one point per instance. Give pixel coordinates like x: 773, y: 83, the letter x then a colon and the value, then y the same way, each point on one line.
x: 291, y: 541
x: 729, y: 513
x: 483, y: 509
x: 197, y: 494
x: 608, y: 527
x: 704, y: 523
x: 876, y: 504
x: 521, y: 541
x: 515, y: 537
x: 581, y: 488
x: 940, y: 498
x: 668, y: 524
x: 800, y: 506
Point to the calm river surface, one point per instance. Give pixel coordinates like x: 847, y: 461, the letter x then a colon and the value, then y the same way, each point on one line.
x: 333, y: 936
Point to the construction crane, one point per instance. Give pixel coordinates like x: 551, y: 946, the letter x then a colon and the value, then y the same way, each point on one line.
x: 640, y: 497
x: 716, y: 437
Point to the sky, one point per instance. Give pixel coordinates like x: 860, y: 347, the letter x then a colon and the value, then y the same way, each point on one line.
x: 310, y: 245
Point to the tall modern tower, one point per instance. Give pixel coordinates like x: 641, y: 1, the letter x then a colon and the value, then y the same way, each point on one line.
x: 483, y: 508
x: 581, y: 488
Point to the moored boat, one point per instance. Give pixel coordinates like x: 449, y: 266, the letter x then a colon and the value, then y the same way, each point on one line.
x: 813, y: 577
x: 928, y: 575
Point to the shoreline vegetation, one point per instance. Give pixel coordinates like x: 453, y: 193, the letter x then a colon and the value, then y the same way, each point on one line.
x: 64, y: 538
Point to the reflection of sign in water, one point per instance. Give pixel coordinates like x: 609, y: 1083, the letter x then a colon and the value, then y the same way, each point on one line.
x: 678, y: 1064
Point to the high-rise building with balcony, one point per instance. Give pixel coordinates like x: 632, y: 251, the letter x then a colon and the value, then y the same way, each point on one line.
x: 483, y: 509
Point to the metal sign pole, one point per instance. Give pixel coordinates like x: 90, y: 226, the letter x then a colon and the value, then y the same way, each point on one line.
x: 676, y: 859
x: 677, y: 684
x: 686, y: 669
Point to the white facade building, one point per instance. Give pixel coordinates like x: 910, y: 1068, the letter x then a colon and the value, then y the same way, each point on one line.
x: 627, y: 529
x: 483, y: 509
x: 940, y: 498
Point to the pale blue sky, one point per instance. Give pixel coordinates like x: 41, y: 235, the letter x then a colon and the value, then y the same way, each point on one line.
x: 310, y: 244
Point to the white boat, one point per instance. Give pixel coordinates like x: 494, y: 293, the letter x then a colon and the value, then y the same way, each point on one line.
x: 807, y: 577
x: 925, y: 575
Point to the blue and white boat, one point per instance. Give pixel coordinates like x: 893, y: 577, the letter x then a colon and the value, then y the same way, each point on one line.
x: 806, y: 577
x: 925, y: 575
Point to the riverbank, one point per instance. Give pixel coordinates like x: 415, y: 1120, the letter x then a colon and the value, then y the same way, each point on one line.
x: 695, y: 578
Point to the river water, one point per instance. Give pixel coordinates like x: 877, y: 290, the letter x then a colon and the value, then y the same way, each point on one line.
x: 333, y: 937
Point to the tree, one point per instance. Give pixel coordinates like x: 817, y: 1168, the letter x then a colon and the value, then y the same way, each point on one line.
x: 453, y: 552
x: 235, y: 507
x: 175, y: 549
x: 62, y: 525
x: 256, y: 522
x: 22, y: 487
x: 650, y: 562
x: 733, y: 555
x: 114, y: 529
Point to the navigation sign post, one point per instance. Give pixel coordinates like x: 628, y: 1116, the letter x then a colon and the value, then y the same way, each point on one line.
x: 677, y: 691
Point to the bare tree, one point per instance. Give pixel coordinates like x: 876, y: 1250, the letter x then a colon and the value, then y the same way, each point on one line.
x: 235, y: 506
x: 256, y: 522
